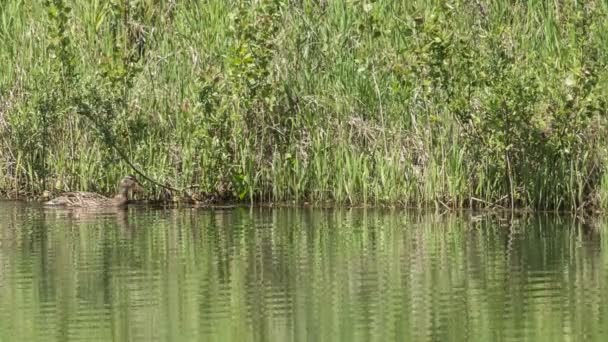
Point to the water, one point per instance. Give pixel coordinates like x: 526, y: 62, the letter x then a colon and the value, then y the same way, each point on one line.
x: 298, y: 275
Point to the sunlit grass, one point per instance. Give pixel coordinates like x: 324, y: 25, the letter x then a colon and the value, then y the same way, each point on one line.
x: 367, y: 103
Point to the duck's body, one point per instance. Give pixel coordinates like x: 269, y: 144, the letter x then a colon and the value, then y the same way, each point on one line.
x: 86, y: 199
x: 91, y: 199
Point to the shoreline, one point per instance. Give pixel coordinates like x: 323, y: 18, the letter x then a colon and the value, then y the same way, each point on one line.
x: 226, y: 205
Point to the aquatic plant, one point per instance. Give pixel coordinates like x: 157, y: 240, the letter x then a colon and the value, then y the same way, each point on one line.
x: 450, y: 104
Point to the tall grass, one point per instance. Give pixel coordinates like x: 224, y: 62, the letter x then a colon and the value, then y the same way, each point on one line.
x: 489, y: 103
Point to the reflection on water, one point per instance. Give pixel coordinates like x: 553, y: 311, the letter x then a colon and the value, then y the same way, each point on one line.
x: 298, y: 275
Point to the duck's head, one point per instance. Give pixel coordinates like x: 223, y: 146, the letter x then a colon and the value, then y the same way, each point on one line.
x: 130, y: 183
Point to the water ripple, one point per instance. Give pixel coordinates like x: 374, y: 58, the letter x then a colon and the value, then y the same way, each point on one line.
x: 289, y: 275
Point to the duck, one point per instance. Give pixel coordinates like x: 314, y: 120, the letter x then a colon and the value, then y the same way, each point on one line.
x: 90, y: 199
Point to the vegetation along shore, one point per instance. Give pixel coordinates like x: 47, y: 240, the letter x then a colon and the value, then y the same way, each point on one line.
x: 389, y: 102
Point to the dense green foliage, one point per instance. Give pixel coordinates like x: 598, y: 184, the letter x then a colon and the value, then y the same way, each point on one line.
x: 451, y: 103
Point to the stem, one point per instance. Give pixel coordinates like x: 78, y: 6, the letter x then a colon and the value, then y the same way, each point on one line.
x: 510, y: 176
x: 509, y: 171
x: 44, y: 135
x: 381, y: 109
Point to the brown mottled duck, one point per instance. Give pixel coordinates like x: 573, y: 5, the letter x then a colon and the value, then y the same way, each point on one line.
x: 91, y: 200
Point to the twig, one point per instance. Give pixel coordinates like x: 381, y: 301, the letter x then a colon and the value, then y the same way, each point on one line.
x: 445, y: 205
x: 490, y: 203
x: 138, y: 171
x: 121, y: 154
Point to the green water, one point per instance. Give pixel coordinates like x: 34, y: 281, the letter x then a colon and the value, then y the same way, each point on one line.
x: 298, y: 275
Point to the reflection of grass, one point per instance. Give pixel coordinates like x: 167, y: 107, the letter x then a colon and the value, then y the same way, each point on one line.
x: 384, y: 103
x: 316, y: 274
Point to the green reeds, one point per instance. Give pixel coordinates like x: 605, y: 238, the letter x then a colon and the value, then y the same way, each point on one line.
x: 378, y: 103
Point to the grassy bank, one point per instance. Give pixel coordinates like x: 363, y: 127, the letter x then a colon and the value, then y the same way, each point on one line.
x: 388, y: 102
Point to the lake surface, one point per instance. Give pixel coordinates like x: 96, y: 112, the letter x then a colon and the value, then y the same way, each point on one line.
x: 299, y: 275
